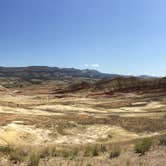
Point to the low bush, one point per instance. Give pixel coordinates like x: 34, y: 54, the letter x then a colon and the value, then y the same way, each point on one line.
x: 91, y: 151
x: 48, y: 151
x: 143, y: 146
x: 45, y: 152
x: 34, y: 160
x: 115, y: 152
x: 74, y: 153
x: 65, y: 153
x: 103, y: 148
x: 87, y: 151
x: 163, y: 140
x: 95, y: 151
x: 6, y: 149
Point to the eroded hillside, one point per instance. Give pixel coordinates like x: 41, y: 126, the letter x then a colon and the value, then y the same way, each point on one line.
x: 68, y: 116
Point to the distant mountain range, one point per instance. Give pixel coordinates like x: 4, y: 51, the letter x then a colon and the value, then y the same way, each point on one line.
x: 54, y: 73
x: 51, y: 73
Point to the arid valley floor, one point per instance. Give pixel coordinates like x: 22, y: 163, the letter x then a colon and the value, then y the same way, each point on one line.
x: 79, y: 128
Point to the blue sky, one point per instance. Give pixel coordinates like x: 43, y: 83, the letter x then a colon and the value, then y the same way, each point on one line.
x: 115, y: 36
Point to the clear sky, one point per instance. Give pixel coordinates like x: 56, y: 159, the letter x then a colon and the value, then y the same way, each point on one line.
x: 115, y: 36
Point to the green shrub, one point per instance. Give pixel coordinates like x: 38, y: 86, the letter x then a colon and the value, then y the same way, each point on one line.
x: 87, y: 151
x: 34, y: 160
x: 65, y: 153
x: 115, y: 152
x: 163, y: 140
x: 91, y: 151
x: 15, y: 154
x: 95, y: 151
x: 74, y: 153
x: 48, y: 151
x: 143, y: 146
x: 103, y: 148
x: 6, y: 149
x: 45, y: 152
x: 13, y: 85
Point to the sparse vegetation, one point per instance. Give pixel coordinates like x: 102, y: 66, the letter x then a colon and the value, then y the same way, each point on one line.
x: 48, y: 151
x: 16, y: 156
x: 44, y: 153
x: 13, y: 85
x: 34, y: 160
x: 103, y: 148
x: 91, y: 151
x: 143, y: 146
x: 65, y: 153
x: 6, y: 149
x: 163, y: 140
x: 87, y: 151
x: 74, y: 153
x: 95, y: 151
x: 115, y: 152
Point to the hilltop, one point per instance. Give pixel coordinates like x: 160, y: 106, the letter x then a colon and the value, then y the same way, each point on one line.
x: 119, y: 84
